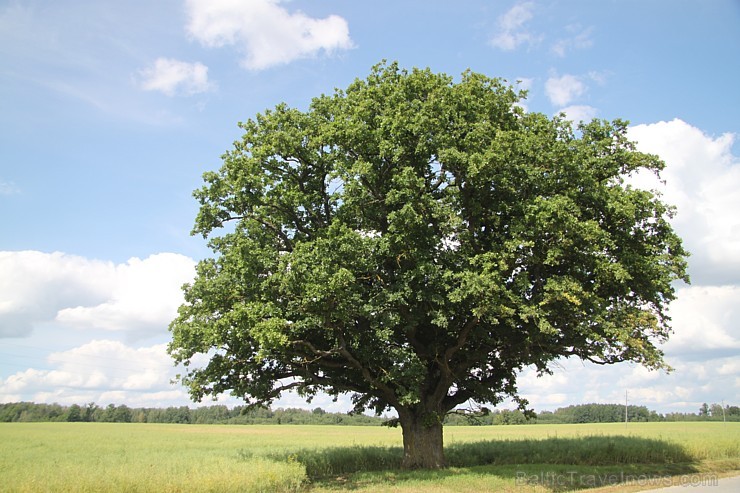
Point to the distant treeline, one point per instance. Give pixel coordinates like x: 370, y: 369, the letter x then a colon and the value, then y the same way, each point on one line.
x: 595, y: 413
x: 216, y: 414
x: 220, y: 414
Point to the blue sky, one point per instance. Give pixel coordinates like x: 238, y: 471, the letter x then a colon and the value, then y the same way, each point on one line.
x: 111, y: 111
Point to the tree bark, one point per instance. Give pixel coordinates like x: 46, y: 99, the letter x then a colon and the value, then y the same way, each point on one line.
x: 423, y: 445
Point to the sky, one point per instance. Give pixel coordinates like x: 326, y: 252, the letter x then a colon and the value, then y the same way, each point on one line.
x: 110, y: 112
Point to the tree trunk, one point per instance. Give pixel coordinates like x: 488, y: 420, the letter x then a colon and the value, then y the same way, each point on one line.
x: 423, y: 446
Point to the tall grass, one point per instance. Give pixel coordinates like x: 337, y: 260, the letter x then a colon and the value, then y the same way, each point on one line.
x: 98, y: 457
x: 584, y: 451
x: 581, y: 445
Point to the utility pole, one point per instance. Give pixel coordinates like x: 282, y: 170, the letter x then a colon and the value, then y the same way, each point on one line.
x: 625, y: 408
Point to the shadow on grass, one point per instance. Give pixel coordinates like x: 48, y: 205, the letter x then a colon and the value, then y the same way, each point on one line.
x: 557, y: 464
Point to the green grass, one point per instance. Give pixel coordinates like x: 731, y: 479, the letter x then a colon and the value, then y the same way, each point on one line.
x: 95, y: 457
x: 80, y: 457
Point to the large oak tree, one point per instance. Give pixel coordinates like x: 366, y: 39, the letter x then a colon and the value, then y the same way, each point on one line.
x: 416, y: 242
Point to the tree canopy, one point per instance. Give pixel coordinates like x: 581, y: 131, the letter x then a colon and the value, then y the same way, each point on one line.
x: 415, y: 242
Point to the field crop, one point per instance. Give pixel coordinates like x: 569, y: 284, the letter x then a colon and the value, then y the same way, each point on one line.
x: 81, y: 457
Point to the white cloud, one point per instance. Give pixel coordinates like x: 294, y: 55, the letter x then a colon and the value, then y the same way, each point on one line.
x: 291, y: 399
x: 104, y: 372
x: 702, y: 178
x: 729, y: 368
x: 116, y: 364
x: 267, y: 33
x: 511, y: 28
x: 706, y: 321
x: 140, y: 295
x: 100, y: 371
x: 35, y: 285
x: 563, y: 90
x: 144, y: 295
x: 8, y: 188
x: 578, y: 39
x: 94, y: 370
x: 579, y: 113
x: 173, y: 77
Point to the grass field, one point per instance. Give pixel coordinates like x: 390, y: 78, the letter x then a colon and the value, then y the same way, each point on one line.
x: 82, y: 457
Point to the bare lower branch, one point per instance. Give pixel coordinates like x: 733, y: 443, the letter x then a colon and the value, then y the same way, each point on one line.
x: 461, y: 340
x: 388, y: 393
x: 316, y: 351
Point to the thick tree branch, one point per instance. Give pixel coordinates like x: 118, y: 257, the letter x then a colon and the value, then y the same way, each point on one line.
x: 462, y: 338
x: 387, y: 392
x: 317, y: 352
x: 276, y: 391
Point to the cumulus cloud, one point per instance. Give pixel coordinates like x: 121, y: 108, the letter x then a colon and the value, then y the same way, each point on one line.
x: 701, y: 177
x: 512, y: 31
x: 99, y: 371
x: 139, y: 295
x: 171, y: 77
x: 267, y: 33
x: 118, y: 365
x: 565, y: 89
x: 145, y: 295
x: 35, y: 285
x: 705, y: 321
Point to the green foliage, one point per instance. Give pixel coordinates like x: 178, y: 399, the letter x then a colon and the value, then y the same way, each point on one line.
x: 416, y: 242
x: 28, y: 412
x: 707, y: 413
x: 704, y: 410
x: 598, y: 413
x: 507, y: 417
x: 74, y: 413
